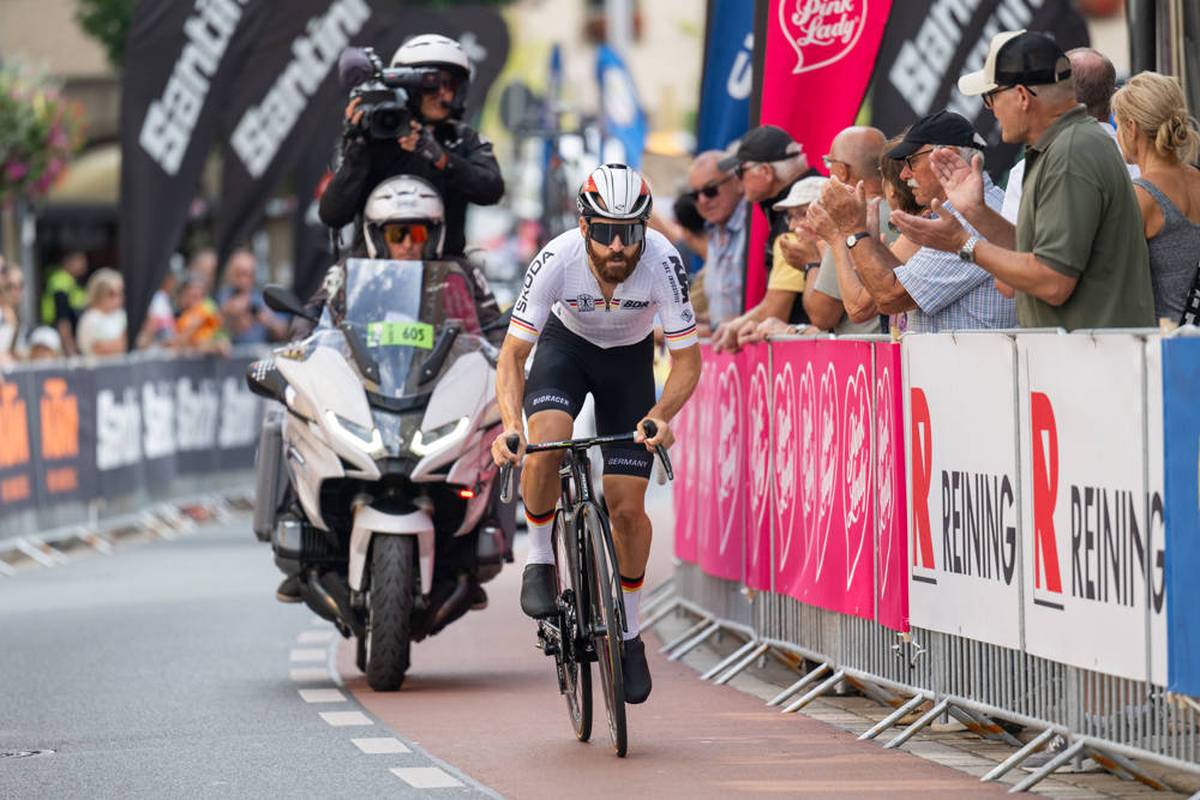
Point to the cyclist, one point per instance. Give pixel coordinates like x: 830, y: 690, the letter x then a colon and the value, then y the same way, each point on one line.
x: 590, y: 299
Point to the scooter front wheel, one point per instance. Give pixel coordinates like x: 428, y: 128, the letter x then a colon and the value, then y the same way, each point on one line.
x: 390, y: 607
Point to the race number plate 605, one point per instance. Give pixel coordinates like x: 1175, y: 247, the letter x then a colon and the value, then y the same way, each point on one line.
x: 400, y: 334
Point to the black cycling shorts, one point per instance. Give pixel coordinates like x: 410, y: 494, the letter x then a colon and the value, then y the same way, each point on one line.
x: 566, y: 367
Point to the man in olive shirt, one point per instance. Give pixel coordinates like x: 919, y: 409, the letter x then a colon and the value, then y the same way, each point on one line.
x: 1080, y: 260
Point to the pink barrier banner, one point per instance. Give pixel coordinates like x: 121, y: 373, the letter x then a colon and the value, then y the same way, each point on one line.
x: 723, y: 492
x: 756, y: 422
x: 684, y: 457
x: 891, y: 584
x: 825, y: 506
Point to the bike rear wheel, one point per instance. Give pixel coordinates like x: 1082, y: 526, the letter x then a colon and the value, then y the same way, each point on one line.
x: 575, y: 669
x: 606, y: 607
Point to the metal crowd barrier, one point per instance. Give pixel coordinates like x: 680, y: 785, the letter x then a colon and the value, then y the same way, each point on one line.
x: 1109, y: 718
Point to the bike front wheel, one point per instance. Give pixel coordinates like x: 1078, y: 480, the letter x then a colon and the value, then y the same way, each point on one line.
x: 576, y: 670
x: 606, y: 607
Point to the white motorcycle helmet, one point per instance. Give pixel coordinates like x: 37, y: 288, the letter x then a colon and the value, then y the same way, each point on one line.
x: 615, y: 191
x: 404, y: 198
x: 435, y: 50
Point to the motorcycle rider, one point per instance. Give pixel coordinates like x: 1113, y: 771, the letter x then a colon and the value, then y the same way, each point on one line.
x: 440, y: 148
x: 403, y: 220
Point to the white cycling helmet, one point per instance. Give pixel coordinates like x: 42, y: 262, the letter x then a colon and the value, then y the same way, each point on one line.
x: 404, y: 198
x: 433, y: 50
x: 615, y: 191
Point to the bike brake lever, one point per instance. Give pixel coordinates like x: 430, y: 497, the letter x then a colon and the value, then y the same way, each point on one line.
x: 506, y: 471
x: 650, y: 430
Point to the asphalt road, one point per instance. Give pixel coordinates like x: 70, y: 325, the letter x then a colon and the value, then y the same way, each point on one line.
x: 168, y: 670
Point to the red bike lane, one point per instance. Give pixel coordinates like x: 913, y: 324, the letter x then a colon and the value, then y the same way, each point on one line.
x: 480, y: 696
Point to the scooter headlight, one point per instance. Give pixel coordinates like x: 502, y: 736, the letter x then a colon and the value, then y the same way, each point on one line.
x: 424, y: 443
x: 362, y: 438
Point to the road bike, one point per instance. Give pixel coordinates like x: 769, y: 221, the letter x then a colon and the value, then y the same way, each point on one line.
x: 590, y: 621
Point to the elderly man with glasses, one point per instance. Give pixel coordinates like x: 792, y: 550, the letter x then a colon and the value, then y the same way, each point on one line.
x: 718, y: 198
x: 939, y: 289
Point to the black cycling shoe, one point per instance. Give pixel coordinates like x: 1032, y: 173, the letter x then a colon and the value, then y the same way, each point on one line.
x: 289, y: 590
x: 635, y: 671
x: 539, y: 591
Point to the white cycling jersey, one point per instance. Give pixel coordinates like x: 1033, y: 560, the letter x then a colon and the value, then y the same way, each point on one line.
x: 561, y: 280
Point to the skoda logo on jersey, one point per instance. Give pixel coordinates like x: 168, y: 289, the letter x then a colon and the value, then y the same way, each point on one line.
x: 586, y: 302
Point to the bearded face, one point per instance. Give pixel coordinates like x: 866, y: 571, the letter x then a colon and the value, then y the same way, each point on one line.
x: 615, y: 261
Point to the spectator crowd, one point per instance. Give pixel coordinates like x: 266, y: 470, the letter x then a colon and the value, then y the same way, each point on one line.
x: 1098, y: 225
x: 82, y: 311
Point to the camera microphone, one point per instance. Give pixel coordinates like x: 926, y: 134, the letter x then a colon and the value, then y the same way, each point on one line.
x: 354, y: 67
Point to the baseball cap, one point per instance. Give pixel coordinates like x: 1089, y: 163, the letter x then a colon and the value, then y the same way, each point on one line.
x: 45, y: 337
x: 1018, y: 58
x: 803, y: 191
x: 942, y: 128
x: 763, y: 144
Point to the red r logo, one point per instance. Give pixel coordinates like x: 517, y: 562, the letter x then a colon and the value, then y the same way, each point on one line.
x: 1045, y: 491
x: 922, y: 461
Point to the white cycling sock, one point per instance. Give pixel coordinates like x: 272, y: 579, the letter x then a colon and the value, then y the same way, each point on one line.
x: 541, y: 546
x: 631, y: 592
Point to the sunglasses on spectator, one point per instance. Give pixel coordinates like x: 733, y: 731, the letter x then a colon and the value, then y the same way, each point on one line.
x: 709, y: 190
x: 829, y: 161
x: 910, y: 160
x: 989, y: 99
x: 397, y: 233
x: 742, y: 168
x: 604, y: 233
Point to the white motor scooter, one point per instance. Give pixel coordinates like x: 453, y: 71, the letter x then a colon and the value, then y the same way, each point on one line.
x: 389, y: 413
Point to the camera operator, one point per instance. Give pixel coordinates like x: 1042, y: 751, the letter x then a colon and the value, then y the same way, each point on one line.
x: 439, y: 147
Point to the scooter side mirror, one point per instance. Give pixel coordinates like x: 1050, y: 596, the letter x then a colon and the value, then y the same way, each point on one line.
x: 285, y: 301
x: 264, y: 380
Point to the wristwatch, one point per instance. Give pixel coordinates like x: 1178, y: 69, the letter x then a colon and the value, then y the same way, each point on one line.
x: 854, y: 238
x: 967, y: 253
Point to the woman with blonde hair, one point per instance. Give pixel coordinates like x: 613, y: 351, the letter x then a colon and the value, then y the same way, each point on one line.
x: 102, y: 326
x: 1155, y: 132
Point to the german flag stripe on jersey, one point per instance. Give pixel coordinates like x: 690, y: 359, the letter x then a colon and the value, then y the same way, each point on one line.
x: 675, y: 336
x: 522, y: 325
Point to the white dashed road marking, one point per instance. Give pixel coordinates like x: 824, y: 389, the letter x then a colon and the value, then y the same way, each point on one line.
x: 322, y: 696
x: 384, y: 745
x: 426, y: 777
x: 346, y: 719
x: 315, y: 637
x: 309, y: 675
x: 307, y: 654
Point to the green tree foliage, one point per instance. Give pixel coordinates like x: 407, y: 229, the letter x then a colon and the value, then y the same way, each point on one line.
x: 107, y: 21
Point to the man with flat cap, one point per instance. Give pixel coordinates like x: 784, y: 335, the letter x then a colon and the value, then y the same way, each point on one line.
x: 939, y: 290
x: 1077, y: 257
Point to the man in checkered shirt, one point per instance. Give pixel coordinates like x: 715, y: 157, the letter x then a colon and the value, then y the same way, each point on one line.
x: 939, y: 290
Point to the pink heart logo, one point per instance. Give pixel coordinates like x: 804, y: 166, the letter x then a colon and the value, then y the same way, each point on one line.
x: 760, y: 448
x: 820, y: 31
x: 856, y: 483
x: 884, y: 424
x: 786, y: 405
x: 729, y: 430
x: 827, y: 464
x: 706, y: 434
x: 810, y: 446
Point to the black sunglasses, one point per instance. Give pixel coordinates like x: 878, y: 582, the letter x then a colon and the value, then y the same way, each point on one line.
x: 709, y: 190
x: 604, y: 233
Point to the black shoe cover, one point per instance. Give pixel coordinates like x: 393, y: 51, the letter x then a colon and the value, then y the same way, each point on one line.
x: 538, y: 591
x: 636, y: 671
x: 289, y: 590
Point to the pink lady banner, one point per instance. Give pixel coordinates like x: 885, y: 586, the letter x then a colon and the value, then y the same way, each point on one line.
x: 818, y: 61
x: 756, y: 422
x: 891, y: 581
x: 824, y: 474
x: 723, y: 494
x: 684, y: 457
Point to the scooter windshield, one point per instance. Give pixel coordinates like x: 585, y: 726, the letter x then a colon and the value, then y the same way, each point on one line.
x: 399, y: 313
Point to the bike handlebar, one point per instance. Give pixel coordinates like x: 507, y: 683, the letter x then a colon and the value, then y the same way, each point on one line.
x: 513, y: 441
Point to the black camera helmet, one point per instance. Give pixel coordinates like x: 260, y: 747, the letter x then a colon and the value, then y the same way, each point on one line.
x: 435, y: 50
